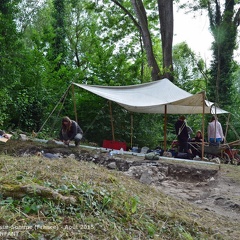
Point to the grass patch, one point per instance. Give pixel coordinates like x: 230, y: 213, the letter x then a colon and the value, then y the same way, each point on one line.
x: 68, y: 199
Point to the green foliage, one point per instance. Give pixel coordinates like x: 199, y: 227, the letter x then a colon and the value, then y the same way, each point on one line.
x: 10, y: 46
x: 147, y: 130
x: 4, y: 115
x: 222, y: 19
x: 45, y: 47
x: 58, y: 45
x: 189, y: 69
x: 31, y: 205
x: 131, y: 206
x: 90, y: 201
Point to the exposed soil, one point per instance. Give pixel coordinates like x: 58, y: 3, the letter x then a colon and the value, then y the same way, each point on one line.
x: 220, y: 195
x: 211, y: 187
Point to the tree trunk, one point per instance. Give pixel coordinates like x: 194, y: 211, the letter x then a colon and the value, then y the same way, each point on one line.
x: 142, y: 18
x: 165, y: 8
x: 19, y: 191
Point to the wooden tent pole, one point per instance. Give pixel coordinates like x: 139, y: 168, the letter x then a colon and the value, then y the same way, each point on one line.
x: 225, y: 137
x: 165, y: 128
x: 74, y: 103
x: 203, y: 115
x: 111, y: 116
x: 131, y: 130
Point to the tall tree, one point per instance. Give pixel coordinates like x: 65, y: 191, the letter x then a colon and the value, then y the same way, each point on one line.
x: 147, y: 41
x: 9, y: 42
x: 224, y: 19
x: 165, y: 8
x: 59, y: 44
x: 10, y: 57
x: 223, y: 26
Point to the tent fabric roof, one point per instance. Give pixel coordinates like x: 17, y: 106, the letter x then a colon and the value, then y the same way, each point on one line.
x: 154, y: 97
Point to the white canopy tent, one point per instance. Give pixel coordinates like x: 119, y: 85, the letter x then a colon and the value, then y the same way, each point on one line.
x: 153, y: 97
x: 160, y: 96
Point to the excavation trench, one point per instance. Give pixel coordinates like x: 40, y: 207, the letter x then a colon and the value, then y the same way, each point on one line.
x: 205, y: 185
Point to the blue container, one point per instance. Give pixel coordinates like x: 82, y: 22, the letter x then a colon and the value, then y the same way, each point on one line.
x: 135, y: 149
x: 173, y: 152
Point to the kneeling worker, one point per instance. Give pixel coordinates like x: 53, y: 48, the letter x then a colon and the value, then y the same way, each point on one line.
x: 70, y: 131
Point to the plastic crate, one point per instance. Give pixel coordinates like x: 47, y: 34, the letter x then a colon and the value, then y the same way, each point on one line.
x: 114, y: 145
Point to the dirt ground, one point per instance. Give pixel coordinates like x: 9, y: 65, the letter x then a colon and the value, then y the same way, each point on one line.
x: 219, y: 193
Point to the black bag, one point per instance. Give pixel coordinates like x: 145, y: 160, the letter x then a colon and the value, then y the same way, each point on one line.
x: 182, y: 155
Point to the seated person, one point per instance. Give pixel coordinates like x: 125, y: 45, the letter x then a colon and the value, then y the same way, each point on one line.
x: 196, y: 151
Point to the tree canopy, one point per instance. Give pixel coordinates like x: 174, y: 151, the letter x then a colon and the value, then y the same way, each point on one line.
x: 45, y: 46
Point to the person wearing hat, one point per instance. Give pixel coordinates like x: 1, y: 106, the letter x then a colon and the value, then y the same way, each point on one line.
x: 70, y: 131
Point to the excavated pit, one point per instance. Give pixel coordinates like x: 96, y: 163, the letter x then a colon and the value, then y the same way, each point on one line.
x: 205, y: 185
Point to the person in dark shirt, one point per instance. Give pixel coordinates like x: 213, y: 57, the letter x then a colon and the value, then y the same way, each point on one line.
x: 198, y: 137
x: 182, y: 135
x: 196, y: 148
x: 70, y: 131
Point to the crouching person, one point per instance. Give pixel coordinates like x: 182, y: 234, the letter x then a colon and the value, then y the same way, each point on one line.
x: 70, y: 131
